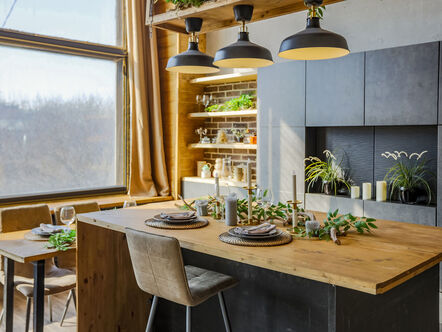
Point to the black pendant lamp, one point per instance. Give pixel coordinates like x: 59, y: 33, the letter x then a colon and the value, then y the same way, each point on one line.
x: 313, y: 43
x: 243, y: 53
x: 192, y: 61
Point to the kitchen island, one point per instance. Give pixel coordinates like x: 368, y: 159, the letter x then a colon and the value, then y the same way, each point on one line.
x: 386, y: 281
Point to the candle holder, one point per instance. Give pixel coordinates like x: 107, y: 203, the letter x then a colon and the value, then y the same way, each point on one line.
x: 294, y: 206
x: 249, y: 205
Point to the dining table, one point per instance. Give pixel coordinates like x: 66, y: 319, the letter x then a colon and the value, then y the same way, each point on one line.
x: 387, y: 280
x: 15, y: 247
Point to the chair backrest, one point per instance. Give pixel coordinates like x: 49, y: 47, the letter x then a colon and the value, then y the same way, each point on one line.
x: 69, y: 260
x: 158, y: 266
x: 22, y: 218
x: 79, y: 208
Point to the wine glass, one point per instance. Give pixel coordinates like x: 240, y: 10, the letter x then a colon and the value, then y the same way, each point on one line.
x: 264, y: 199
x: 129, y: 203
x: 67, y: 216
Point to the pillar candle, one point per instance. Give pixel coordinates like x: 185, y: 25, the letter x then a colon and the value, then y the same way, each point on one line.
x: 231, y: 210
x: 294, y: 186
x: 216, y: 186
x: 355, y: 191
x: 366, y: 190
x: 381, y: 191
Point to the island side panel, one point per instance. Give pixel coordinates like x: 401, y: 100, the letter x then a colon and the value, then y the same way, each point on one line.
x: 410, y: 307
x: 109, y: 298
x: 264, y: 300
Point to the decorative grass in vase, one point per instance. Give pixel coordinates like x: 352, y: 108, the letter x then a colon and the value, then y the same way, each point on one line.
x: 328, y: 172
x: 408, y: 177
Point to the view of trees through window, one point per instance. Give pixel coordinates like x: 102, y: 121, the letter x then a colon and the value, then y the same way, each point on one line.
x: 62, y: 99
x: 60, y: 125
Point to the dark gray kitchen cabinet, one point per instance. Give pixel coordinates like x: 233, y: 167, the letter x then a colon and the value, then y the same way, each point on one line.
x: 335, y: 91
x: 440, y: 86
x: 401, y: 85
x: 281, y: 94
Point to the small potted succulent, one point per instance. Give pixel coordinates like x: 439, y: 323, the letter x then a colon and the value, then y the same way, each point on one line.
x: 408, y: 177
x: 329, y: 173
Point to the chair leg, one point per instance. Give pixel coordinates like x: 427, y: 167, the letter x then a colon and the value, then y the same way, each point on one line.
x: 66, y: 306
x: 222, y: 304
x: 50, y: 307
x: 28, y: 313
x: 153, y: 309
x: 74, y: 298
x: 188, y: 319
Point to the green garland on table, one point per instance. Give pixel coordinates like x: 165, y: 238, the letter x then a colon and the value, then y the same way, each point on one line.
x: 61, y: 241
x: 342, y: 224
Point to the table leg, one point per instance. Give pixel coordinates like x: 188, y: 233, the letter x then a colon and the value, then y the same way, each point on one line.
x: 39, y: 294
x: 8, y: 293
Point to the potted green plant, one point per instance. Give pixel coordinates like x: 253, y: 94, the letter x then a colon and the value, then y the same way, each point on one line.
x: 408, y: 177
x: 328, y: 172
x: 182, y: 4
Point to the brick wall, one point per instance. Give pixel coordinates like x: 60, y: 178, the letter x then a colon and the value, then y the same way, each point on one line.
x: 221, y: 93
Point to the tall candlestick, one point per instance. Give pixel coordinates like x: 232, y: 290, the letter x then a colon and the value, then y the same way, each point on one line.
x: 249, y: 188
x: 355, y: 192
x: 381, y: 191
x: 366, y: 190
x: 294, y: 216
x: 294, y: 186
x: 217, y: 186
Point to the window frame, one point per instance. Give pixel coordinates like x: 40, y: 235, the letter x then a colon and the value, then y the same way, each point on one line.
x: 58, y: 45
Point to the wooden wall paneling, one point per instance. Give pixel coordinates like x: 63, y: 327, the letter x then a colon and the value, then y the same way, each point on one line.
x: 104, y: 272
x: 186, y: 128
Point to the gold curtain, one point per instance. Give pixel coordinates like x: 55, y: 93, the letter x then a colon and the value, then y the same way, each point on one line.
x: 148, y: 175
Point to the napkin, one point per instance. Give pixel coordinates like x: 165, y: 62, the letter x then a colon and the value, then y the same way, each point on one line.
x: 48, y: 228
x: 178, y: 216
x: 265, y: 228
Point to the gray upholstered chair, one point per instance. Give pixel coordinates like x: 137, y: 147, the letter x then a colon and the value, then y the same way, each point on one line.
x: 69, y: 260
x: 160, y: 271
x: 56, y: 280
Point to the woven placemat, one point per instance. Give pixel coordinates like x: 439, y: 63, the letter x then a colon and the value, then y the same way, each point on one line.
x: 284, y: 238
x: 35, y: 237
x: 200, y: 222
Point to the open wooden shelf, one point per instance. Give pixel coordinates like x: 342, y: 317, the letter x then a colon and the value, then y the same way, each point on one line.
x: 219, y: 14
x: 223, y: 114
x: 226, y: 78
x: 223, y: 146
x: 230, y: 183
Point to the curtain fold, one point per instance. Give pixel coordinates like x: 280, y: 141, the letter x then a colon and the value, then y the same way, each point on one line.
x: 148, y: 173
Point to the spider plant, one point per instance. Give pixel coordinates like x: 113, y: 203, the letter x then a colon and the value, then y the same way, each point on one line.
x: 329, y: 172
x: 408, y: 177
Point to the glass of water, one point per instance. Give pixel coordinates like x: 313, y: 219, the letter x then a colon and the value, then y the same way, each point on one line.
x: 264, y: 199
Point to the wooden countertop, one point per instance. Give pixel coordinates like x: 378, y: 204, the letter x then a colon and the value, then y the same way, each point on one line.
x: 371, y: 263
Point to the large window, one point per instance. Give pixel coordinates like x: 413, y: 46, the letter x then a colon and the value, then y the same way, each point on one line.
x: 62, y: 102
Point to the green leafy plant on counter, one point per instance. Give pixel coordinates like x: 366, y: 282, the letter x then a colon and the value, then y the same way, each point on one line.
x: 408, y: 176
x: 243, y: 102
x: 329, y: 172
x: 318, y: 11
x: 342, y: 224
x: 279, y: 211
x: 182, y: 4
x: 62, y: 241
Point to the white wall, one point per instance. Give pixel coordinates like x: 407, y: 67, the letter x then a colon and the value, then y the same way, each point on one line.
x: 366, y: 24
